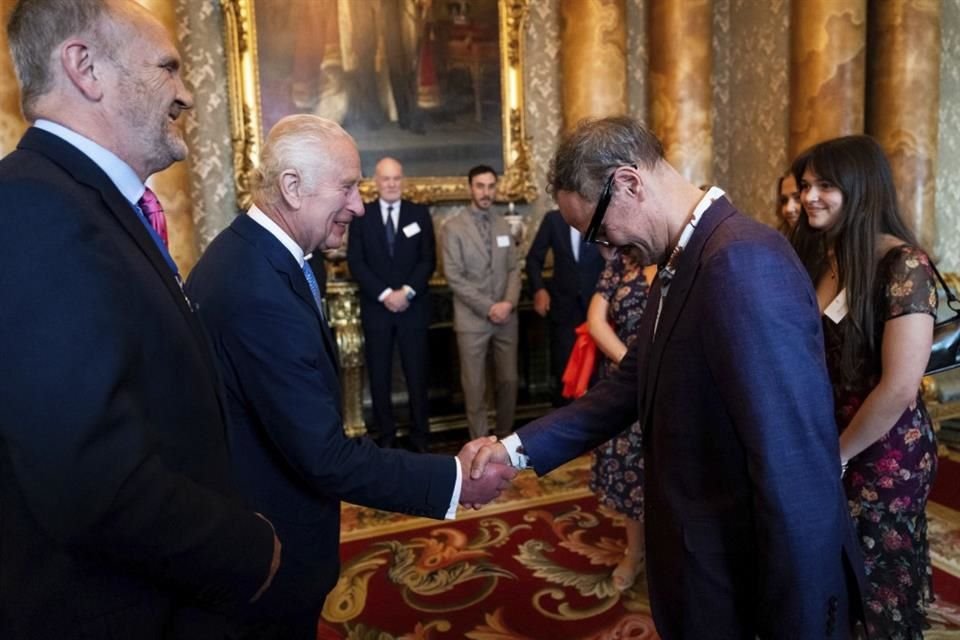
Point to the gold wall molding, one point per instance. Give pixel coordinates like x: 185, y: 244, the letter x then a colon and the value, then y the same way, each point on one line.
x: 516, y: 183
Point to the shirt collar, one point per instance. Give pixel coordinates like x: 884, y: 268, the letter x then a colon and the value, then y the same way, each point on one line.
x: 120, y: 173
x: 383, y: 209
x: 258, y: 216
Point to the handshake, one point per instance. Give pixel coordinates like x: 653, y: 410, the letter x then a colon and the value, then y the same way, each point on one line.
x: 486, y: 471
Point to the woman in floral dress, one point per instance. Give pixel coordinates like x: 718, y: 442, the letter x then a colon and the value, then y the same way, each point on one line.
x: 613, y: 317
x: 877, y: 293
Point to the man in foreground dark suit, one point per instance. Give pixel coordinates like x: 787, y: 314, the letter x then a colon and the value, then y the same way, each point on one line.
x: 392, y: 255
x: 576, y: 268
x: 117, y: 519
x: 748, y: 534
x: 291, y: 459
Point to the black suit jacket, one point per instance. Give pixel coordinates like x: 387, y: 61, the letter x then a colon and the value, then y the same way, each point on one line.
x: 413, y: 262
x: 573, y: 281
x: 113, y: 465
x: 290, y: 456
x: 747, y: 530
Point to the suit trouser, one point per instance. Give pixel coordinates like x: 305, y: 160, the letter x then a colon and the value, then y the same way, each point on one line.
x: 413, y: 347
x: 473, y: 348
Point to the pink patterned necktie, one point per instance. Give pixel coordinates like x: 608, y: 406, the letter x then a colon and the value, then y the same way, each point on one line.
x: 151, y: 208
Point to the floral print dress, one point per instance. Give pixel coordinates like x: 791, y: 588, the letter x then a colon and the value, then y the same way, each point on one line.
x: 617, y: 477
x: 887, y: 484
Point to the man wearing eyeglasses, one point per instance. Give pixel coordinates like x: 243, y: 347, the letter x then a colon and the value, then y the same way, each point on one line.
x: 747, y: 531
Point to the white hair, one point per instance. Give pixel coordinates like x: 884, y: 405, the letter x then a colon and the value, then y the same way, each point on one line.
x: 297, y: 142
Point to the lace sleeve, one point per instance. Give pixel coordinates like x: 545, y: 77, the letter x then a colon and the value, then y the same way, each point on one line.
x: 911, y: 286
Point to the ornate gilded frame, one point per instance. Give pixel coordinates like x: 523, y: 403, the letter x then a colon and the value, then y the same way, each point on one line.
x: 516, y: 184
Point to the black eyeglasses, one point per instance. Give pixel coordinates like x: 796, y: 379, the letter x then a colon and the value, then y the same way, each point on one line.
x: 596, y: 221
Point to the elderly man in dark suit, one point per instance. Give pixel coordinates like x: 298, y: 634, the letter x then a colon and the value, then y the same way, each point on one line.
x: 748, y: 533
x: 118, y: 520
x: 392, y: 255
x: 565, y: 298
x: 261, y: 305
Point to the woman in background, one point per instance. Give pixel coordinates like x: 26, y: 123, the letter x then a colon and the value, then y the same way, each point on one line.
x: 617, y: 479
x: 877, y: 293
x: 788, y: 203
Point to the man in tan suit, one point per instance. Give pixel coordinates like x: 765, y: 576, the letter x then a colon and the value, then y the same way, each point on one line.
x: 480, y: 264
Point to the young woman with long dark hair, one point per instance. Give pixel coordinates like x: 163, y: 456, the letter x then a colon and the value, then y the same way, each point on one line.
x: 877, y: 293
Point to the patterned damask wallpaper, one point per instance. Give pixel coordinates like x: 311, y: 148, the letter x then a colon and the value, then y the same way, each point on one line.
x: 948, y: 173
x: 750, y: 110
x: 751, y: 101
x: 200, y: 31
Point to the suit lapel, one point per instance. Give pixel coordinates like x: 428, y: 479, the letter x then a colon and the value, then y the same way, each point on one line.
x: 286, y: 265
x: 588, y: 252
x: 85, y: 171
x: 473, y: 231
x: 687, y: 271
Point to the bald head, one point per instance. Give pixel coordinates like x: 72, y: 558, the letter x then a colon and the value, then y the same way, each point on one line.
x: 388, y: 177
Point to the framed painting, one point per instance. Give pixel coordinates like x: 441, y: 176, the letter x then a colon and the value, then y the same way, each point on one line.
x: 436, y: 84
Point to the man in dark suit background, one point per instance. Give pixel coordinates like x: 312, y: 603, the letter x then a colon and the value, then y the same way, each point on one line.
x: 748, y: 533
x: 392, y: 255
x: 117, y: 519
x: 576, y: 268
x: 259, y: 301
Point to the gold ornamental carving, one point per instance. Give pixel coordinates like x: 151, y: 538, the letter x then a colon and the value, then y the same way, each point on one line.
x: 343, y: 299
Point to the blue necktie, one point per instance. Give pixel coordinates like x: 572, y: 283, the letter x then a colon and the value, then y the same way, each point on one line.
x: 391, y: 231
x: 314, y: 286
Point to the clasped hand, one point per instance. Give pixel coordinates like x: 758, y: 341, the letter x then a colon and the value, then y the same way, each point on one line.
x: 396, y: 301
x: 481, y: 485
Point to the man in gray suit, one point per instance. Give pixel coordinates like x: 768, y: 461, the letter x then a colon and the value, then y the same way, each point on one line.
x: 480, y: 264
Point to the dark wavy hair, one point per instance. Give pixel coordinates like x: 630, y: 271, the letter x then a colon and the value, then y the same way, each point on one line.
x: 857, y: 166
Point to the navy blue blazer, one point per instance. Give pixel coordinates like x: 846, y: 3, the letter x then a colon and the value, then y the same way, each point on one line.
x: 747, y: 528
x: 573, y: 281
x: 116, y: 513
x: 289, y: 454
x: 413, y: 262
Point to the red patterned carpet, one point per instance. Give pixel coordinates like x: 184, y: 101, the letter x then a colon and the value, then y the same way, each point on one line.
x: 534, y: 565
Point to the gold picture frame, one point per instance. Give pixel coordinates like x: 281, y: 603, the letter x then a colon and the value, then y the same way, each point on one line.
x: 516, y: 183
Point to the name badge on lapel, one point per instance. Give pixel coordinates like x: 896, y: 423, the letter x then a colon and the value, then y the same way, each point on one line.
x: 411, y: 229
x: 837, y: 310
x: 503, y: 241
